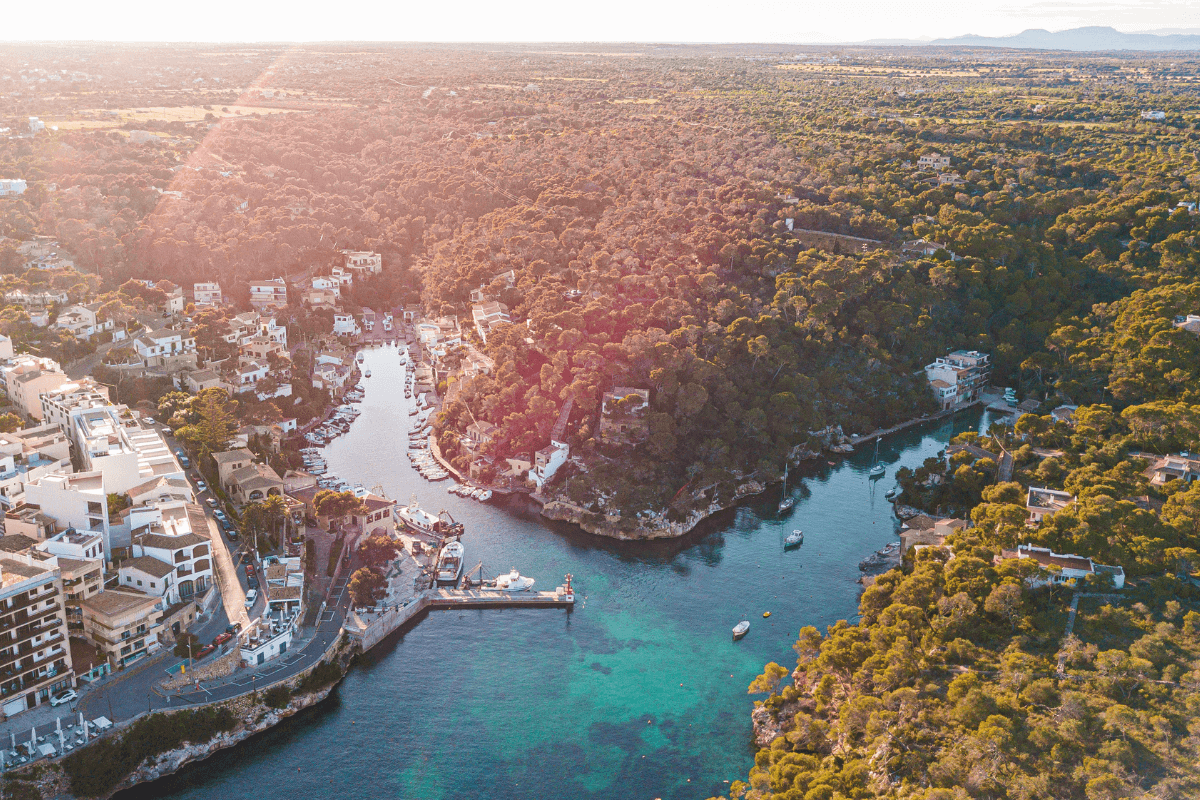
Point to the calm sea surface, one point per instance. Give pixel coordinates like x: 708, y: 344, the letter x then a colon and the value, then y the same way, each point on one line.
x: 639, y: 692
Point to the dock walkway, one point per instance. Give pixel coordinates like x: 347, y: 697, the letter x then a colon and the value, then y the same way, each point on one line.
x: 483, y: 598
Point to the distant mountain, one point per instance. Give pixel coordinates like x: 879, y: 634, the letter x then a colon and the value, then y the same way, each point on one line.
x: 1091, y: 38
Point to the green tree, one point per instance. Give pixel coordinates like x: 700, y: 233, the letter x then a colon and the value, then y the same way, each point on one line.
x: 367, y: 585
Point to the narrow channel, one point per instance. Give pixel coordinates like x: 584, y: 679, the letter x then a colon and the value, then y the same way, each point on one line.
x: 638, y: 692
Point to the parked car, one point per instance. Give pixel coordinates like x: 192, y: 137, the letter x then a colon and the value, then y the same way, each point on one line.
x: 212, y: 501
x: 183, y: 459
x: 149, y: 420
x: 222, y: 638
x: 250, y: 570
x: 232, y: 534
x: 206, y: 650
x: 201, y: 486
x: 251, y: 597
x: 233, y: 627
x: 62, y: 698
x: 253, y: 582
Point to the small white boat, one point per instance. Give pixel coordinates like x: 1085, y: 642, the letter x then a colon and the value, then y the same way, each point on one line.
x: 367, y: 374
x: 794, y: 539
x: 740, y: 629
x: 890, y: 493
x: 486, y: 495
x: 513, y: 582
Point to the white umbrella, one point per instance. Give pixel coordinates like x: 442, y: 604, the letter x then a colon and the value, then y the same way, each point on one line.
x: 3, y: 765
x: 83, y: 725
x: 14, y: 741
x: 62, y: 745
x: 58, y: 724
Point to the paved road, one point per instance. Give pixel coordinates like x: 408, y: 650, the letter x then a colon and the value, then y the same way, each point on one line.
x: 328, y: 628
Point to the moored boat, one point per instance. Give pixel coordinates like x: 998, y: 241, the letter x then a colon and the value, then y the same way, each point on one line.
x: 513, y: 582
x: 450, y: 562
x: 794, y: 539
x: 740, y: 629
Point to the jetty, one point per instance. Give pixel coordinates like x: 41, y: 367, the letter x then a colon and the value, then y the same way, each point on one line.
x: 484, y: 598
x: 371, y: 626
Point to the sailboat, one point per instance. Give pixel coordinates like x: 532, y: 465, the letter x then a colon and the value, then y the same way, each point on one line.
x: 877, y: 469
x: 787, y: 501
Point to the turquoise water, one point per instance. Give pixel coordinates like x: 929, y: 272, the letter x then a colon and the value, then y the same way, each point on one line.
x: 638, y: 692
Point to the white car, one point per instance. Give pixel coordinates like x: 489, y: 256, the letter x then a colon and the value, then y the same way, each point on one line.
x: 62, y: 698
x: 251, y: 597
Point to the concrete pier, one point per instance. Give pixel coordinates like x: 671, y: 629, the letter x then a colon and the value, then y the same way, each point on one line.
x: 485, y: 598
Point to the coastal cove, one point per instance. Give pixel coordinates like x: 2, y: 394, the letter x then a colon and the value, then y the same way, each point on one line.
x: 638, y: 691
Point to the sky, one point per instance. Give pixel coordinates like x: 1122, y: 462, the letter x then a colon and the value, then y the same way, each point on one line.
x: 554, y: 20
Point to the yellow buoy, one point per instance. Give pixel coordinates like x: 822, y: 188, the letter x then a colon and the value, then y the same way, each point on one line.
x: 766, y: 613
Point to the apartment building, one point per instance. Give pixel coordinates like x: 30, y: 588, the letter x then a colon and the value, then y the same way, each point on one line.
x: 35, y: 659
x: 28, y: 455
x: 207, y: 295
x: 958, y: 378
x: 73, y: 501
x: 268, y: 294
x: 124, y: 624
x: 175, y: 534
x: 80, y: 557
x: 26, y: 377
x: 83, y: 321
x: 109, y: 439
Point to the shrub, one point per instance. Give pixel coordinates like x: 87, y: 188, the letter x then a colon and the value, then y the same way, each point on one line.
x: 277, y: 696
x: 96, y: 769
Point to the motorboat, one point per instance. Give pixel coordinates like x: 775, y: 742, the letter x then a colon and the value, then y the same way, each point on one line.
x: 741, y: 628
x: 513, y: 582
x: 450, y: 562
x: 793, y: 539
x: 367, y: 374
x: 890, y: 494
x: 486, y: 495
x: 360, y: 358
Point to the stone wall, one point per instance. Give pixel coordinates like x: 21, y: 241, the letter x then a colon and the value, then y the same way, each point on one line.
x: 208, y: 669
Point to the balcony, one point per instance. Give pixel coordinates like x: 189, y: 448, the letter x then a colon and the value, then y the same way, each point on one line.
x: 8, y: 660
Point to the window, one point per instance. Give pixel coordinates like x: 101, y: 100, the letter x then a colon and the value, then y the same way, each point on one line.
x: 139, y: 583
x: 152, y: 586
x: 94, y: 508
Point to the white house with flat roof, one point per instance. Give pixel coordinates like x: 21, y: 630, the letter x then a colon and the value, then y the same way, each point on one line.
x: 26, y: 377
x: 10, y: 187
x: 207, y: 295
x: 363, y: 261
x: 76, y: 501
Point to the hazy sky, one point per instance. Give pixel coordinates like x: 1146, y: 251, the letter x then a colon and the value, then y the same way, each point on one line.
x: 554, y: 20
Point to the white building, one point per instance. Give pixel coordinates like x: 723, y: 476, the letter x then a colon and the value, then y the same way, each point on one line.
x: 175, y: 534
x: 363, y: 262
x: 166, y: 347
x: 1064, y: 568
x: 328, y: 283
x: 268, y: 294
x: 345, y: 325
x: 547, y: 461
x: 12, y: 186
x: 82, y: 321
x: 207, y: 294
x: 934, y: 161
x: 29, y: 455
x: 1153, y: 116
x: 265, y: 639
x: 33, y: 630
x: 1042, y: 503
x: 25, y: 378
x: 956, y: 379
x: 74, y: 501
x: 487, y: 316
x: 110, y: 439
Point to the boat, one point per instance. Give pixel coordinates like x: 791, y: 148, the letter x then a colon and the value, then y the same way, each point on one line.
x: 367, y: 374
x: 740, y: 629
x: 450, y: 562
x: 486, y: 495
x: 787, y: 501
x: 418, y: 520
x: 793, y: 539
x: 877, y: 469
x: 766, y: 614
x: 513, y: 582
x: 360, y: 358
x: 890, y: 493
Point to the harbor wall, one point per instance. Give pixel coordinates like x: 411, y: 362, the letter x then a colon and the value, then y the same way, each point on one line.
x: 385, y: 624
